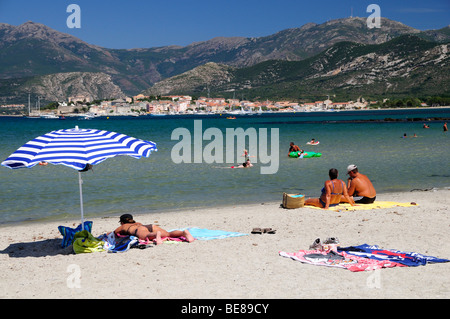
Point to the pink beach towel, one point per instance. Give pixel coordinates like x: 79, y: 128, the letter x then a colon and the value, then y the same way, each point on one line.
x: 164, y: 239
x: 339, y: 260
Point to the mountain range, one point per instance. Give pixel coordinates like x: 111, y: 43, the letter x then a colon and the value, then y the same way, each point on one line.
x: 404, y: 66
x: 309, y: 60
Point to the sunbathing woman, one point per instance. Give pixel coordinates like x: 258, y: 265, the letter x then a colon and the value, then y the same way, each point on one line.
x: 332, y: 192
x: 128, y: 227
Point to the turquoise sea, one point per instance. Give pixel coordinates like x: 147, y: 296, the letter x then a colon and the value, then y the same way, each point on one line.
x: 125, y: 184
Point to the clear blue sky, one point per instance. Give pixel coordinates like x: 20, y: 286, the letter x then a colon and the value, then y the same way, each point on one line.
x: 150, y: 23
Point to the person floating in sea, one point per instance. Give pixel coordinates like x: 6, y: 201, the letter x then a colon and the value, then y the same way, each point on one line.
x: 445, y: 127
x: 128, y: 227
x: 246, y: 164
x: 359, y: 185
x: 404, y: 136
x: 425, y: 125
x: 294, y: 148
x: 332, y: 193
x: 246, y: 155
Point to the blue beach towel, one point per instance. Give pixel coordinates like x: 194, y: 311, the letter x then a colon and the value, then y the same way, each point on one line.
x: 114, y: 244
x: 410, y: 259
x: 68, y: 233
x: 209, y: 234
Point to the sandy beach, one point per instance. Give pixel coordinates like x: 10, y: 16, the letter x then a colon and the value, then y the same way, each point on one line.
x: 33, y: 265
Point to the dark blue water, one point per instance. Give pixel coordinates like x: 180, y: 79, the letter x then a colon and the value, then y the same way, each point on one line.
x: 124, y: 184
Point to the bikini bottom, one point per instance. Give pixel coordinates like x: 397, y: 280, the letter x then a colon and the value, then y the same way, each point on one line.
x: 324, y: 204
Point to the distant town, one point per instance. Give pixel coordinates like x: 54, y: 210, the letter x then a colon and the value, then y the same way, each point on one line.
x: 84, y: 105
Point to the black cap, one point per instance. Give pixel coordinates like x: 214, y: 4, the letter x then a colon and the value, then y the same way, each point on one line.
x: 125, y: 217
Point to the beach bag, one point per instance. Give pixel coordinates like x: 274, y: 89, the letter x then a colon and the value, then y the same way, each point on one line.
x: 84, y: 242
x: 293, y: 200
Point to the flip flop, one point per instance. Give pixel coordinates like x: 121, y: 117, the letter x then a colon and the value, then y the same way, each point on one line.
x: 269, y: 231
x: 257, y: 231
x: 144, y: 246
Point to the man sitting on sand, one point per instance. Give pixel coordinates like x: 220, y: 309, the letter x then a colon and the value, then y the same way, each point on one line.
x: 360, y: 185
x: 147, y: 232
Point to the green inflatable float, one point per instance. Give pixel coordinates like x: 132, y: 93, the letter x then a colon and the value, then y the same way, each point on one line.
x: 304, y: 155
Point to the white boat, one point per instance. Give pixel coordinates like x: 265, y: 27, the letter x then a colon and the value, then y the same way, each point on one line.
x: 49, y: 116
x: 239, y: 112
x: 85, y: 117
x: 260, y: 111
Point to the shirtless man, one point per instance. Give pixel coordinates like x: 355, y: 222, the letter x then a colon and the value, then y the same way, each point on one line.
x: 360, y: 185
x: 128, y: 227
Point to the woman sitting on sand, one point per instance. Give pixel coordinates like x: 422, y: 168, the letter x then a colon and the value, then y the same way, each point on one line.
x: 147, y: 232
x: 332, y: 192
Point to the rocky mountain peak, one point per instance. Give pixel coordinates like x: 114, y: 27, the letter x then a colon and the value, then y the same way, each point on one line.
x: 33, y: 50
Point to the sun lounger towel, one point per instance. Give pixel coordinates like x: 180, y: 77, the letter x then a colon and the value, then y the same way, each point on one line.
x: 118, y: 244
x: 376, y: 205
x: 410, y: 259
x: 68, y: 233
x: 209, y: 234
x: 339, y: 260
x: 84, y: 242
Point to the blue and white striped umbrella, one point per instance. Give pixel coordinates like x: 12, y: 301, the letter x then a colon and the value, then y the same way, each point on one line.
x: 78, y: 148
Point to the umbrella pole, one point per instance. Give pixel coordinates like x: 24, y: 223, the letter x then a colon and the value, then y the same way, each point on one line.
x: 80, y: 181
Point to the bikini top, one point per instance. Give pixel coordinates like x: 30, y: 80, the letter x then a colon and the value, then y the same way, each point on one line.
x: 332, y: 192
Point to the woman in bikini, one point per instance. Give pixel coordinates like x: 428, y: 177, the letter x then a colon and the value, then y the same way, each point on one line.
x: 128, y: 227
x: 332, y: 192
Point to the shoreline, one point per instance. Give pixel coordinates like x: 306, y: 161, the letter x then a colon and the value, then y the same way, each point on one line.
x: 34, y: 265
x: 157, y: 115
x: 73, y: 219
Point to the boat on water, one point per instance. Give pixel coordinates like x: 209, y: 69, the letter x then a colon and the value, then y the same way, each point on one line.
x: 85, y: 117
x: 241, y: 111
x: 49, y: 116
x: 158, y: 114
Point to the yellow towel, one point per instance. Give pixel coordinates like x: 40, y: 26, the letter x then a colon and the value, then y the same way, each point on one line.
x: 84, y: 242
x: 376, y: 205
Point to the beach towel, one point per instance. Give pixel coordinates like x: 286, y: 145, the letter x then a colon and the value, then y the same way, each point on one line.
x: 68, y: 233
x: 339, y: 260
x: 84, y: 242
x: 410, y: 259
x: 209, y: 234
x: 117, y: 244
x: 376, y: 205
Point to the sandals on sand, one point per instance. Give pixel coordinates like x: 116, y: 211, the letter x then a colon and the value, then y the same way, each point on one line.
x: 269, y: 231
x: 257, y: 231
x: 263, y: 231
